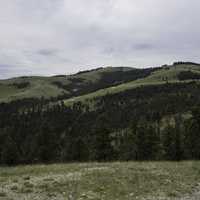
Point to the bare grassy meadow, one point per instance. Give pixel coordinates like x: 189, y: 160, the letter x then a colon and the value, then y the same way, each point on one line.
x: 98, y: 181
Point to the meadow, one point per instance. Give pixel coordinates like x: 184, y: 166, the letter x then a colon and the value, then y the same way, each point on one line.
x: 109, y: 181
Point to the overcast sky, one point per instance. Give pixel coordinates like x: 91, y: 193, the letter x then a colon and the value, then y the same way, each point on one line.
x: 43, y: 37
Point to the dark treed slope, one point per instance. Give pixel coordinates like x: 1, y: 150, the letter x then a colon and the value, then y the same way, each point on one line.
x: 178, y: 72
x: 155, y: 117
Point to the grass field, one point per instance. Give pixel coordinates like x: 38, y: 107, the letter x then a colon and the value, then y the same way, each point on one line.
x: 109, y: 181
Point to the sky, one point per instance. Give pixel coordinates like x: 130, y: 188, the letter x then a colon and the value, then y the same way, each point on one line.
x: 51, y: 37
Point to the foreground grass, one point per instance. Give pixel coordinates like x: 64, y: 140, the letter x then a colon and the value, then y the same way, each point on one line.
x: 110, y: 181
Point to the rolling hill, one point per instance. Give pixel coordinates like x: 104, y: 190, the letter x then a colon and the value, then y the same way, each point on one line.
x: 93, y: 83
x: 67, y: 86
x: 176, y: 73
x: 104, y: 114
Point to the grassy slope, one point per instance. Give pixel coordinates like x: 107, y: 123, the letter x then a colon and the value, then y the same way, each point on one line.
x: 171, y: 73
x: 122, y: 181
x: 43, y: 86
x: 39, y: 86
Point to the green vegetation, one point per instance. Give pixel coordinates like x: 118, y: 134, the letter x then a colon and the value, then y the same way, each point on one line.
x: 63, y: 86
x: 121, y: 115
x: 165, y: 74
x: 154, y: 122
x: 93, y: 83
x: 38, y: 87
x: 130, y: 180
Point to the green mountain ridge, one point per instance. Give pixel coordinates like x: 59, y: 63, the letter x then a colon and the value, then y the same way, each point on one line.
x: 64, y: 85
x: 92, y: 83
x: 107, y: 114
x: 167, y: 74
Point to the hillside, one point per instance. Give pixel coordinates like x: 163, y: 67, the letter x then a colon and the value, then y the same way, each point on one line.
x: 117, y: 114
x: 92, y: 83
x: 176, y: 73
x: 64, y: 86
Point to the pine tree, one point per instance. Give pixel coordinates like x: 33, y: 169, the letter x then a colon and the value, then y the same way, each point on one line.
x: 103, y: 149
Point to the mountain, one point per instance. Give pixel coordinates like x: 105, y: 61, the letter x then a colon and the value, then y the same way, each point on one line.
x: 95, y: 82
x: 176, y: 73
x: 104, y: 114
x: 65, y: 86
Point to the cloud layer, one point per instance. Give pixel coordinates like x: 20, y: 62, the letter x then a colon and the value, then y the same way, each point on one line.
x: 65, y: 36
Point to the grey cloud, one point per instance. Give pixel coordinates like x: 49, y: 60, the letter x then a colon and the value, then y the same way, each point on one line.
x: 143, y: 46
x: 65, y: 36
x: 47, y: 52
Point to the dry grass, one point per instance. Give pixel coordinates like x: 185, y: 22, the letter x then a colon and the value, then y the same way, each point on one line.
x: 109, y: 181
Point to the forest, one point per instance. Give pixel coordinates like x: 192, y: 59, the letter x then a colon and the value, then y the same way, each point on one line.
x: 155, y: 122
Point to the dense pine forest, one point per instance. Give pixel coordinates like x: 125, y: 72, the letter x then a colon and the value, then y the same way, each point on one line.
x: 151, y: 122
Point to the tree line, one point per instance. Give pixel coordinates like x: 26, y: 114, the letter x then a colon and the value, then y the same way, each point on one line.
x: 146, y: 123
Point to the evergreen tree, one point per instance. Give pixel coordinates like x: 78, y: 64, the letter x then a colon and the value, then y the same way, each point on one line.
x: 9, y: 154
x: 103, y: 149
x: 192, y: 135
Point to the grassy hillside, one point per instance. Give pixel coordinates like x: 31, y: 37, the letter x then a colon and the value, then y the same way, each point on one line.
x: 151, y: 118
x: 122, y: 181
x: 91, y: 83
x: 166, y: 74
x: 67, y: 86
x: 34, y: 87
